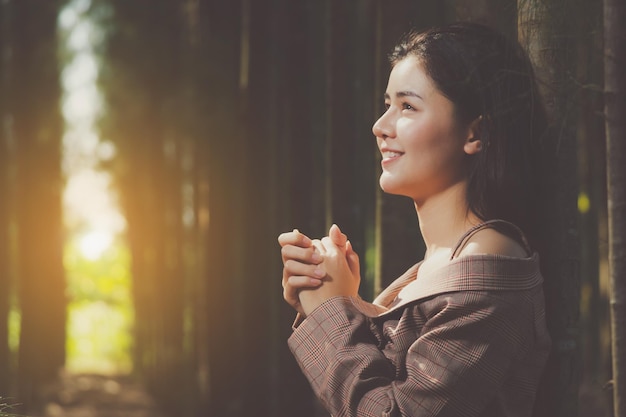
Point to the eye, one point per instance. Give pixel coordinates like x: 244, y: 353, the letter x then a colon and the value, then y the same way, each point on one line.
x: 387, y: 105
x: 407, y: 106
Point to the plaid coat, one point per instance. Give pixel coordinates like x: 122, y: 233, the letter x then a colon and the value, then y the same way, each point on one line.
x: 467, y: 340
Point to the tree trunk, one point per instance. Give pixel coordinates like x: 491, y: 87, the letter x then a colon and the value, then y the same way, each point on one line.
x: 38, y: 130
x: 594, y: 398
x: 197, y: 286
x: 545, y: 29
x: 5, y: 212
x: 219, y: 138
x: 144, y: 57
x: 501, y: 14
x: 615, y: 109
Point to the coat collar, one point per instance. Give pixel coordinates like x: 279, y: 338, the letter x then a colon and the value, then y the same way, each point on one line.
x: 468, y: 273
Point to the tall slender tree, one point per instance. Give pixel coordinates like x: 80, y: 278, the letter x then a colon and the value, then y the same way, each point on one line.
x: 615, y: 108
x: 38, y: 129
x: 5, y: 217
x: 272, y: 63
x: 595, y: 323
x: 501, y: 14
x: 196, y: 181
x: 545, y: 29
x: 142, y: 76
x: 219, y: 155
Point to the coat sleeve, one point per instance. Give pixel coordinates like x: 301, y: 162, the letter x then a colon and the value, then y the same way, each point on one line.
x: 453, y: 366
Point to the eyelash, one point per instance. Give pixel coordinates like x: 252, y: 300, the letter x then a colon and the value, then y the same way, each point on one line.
x: 405, y: 106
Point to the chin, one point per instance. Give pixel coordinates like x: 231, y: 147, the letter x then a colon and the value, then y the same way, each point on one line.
x: 388, y: 186
x: 384, y: 185
x: 404, y: 189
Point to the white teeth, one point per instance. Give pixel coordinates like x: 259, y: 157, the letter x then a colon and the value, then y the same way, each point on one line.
x: 390, y: 154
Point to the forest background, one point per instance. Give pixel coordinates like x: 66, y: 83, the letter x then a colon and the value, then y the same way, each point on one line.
x: 151, y: 151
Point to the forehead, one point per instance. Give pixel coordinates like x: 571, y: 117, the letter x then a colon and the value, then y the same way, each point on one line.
x: 409, y: 74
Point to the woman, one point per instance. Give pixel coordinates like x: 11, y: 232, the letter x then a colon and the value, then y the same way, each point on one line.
x: 461, y: 333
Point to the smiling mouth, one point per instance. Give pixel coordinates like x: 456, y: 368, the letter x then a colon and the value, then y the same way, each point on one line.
x: 391, y: 155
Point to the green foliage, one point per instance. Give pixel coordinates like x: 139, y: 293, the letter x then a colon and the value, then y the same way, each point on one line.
x: 100, y: 313
x: 104, y: 279
x: 15, y: 318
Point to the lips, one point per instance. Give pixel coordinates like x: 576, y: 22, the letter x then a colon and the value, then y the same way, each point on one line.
x: 390, y: 155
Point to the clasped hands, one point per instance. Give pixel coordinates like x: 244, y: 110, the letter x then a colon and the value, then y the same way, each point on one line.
x: 315, y: 270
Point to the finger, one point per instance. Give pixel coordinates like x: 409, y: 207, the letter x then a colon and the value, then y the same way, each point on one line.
x: 295, y: 268
x: 292, y: 286
x: 319, y: 247
x: 308, y: 255
x: 337, y: 236
x: 353, y: 259
x: 349, y: 248
x: 331, y: 247
x: 295, y: 238
x: 303, y: 282
x: 290, y: 294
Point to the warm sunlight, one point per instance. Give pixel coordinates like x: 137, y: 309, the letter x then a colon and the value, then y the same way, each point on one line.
x: 93, y: 244
x: 96, y: 258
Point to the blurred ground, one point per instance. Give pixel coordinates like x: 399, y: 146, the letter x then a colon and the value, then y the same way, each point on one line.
x: 98, y: 396
x: 90, y: 395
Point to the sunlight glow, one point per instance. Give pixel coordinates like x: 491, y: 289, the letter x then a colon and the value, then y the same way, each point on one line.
x: 94, y: 244
x: 96, y: 259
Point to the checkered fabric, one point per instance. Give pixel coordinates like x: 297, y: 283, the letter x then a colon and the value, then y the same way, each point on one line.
x: 467, y: 340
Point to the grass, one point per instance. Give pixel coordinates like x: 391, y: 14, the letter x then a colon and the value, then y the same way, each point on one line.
x: 4, y: 407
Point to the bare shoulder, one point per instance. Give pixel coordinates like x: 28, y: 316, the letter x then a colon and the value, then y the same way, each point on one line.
x: 490, y: 241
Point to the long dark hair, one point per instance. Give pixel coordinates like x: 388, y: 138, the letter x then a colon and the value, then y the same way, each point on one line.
x: 489, y: 78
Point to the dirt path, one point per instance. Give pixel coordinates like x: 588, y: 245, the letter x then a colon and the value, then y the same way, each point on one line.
x: 98, y: 396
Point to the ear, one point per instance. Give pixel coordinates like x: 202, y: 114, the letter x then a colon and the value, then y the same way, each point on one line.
x: 473, y: 142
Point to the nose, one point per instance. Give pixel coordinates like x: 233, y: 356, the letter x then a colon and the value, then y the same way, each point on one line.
x: 384, y: 126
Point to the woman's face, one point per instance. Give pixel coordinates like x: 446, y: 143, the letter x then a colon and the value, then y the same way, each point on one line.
x: 421, y: 143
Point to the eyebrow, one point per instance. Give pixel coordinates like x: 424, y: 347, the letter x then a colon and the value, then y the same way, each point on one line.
x: 406, y: 93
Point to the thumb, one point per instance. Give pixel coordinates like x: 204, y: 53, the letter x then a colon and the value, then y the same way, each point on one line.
x: 353, y: 259
x: 336, y: 236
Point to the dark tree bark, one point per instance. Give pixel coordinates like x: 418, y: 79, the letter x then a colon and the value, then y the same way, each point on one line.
x: 545, y: 29
x: 143, y: 79
x: 221, y: 187
x: 5, y: 213
x: 594, y: 398
x: 38, y: 130
x: 615, y: 109
x: 274, y: 37
x: 501, y: 14
x: 197, y: 287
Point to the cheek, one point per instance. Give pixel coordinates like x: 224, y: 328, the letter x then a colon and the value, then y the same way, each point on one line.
x: 419, y: 136
x: 438, y: 145
x: 411, y: 131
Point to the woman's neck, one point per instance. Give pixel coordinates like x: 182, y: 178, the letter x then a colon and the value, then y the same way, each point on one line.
x: 444, y: 218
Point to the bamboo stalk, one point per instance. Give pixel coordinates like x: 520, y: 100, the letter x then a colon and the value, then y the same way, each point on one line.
x: 615, y: 108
